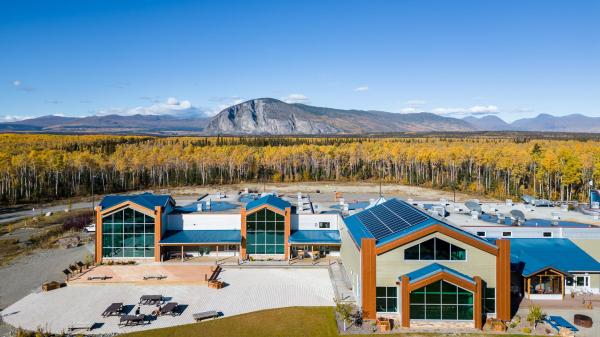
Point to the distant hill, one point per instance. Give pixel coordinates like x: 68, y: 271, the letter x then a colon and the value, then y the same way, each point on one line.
x: 488, y: 123
x: 542, y: 122
x: 271, y: 116
x: 268, y: 116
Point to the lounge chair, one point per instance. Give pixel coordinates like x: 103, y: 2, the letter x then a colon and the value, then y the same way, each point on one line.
x: 151, y: 299
x: 113, y: 310
x: 87, y: 326
x: 558, y: 322
x: 169, y: 309
x: 132, y: 319
x: 205, y: 314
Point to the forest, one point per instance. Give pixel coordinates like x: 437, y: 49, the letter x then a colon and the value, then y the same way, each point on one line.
x: 40, y: 167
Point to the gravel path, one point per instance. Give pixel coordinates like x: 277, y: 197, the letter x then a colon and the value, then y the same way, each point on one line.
x: 25, y: 275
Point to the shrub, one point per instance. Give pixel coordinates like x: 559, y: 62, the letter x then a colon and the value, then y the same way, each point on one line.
x: 535, y: 315
x: 526, y: 330
x: 78, y: 222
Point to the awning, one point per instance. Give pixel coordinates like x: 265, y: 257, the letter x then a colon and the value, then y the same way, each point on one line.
x: 433, y: 269
x: 190, y: 237
x: 531, y: 256
x: 315, y: 237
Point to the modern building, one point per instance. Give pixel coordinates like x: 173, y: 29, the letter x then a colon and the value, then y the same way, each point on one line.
x: 153, y: 227
x: 403, y: 261
x: 399, y: 259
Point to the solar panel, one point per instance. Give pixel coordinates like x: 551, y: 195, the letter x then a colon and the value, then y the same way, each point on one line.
x: 374, y: 225
x: 390, y: 217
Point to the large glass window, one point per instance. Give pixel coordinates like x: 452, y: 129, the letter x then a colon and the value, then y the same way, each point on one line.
x: 489, y: 300
x: 128, y: 233
x: 441, y: 300
x: 386, y: 299
x: 435, y: 249
x: 265, y: 232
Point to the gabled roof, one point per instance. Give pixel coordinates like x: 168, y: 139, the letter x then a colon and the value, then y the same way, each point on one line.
x: 146, y: 200
x: 202, y: 236
x: 432, y: 269
x: 270, y: 200
x: 562, y: 255
x: 316, y: 236
x: 415, y: 221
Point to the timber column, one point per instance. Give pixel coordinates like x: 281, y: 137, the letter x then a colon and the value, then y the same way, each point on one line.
x: 98, y: 257
x: 368, y: 278
x: 157, y: 232
x: 503, y: 280
x: 243, y: 232
x: 286, y: 234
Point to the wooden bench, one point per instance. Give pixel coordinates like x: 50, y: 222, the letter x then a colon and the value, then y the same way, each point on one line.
x: 155, y: 277
x: 205, y: 315
x: 87, y: 326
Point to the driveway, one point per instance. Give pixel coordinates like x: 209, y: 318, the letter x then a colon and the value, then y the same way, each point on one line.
x: 248, y: 290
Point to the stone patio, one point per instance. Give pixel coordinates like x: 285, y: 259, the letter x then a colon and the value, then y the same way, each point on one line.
x: 248, y: 290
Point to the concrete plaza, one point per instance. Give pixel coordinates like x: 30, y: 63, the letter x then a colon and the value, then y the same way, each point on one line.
x: 248, y: 290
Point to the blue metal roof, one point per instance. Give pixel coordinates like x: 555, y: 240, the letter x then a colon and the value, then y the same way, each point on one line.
x: 432, y: 269
x: 535, y: 255
x: 358, y: 230
x: 202, y: 236
x: 315, y: 236
x: 270, y: 200
x: 146, y: 200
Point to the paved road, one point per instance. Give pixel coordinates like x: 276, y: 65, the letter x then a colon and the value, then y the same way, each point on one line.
x: 18, y: 213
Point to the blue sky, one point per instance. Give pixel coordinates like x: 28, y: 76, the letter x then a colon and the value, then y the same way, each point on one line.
x: 510, y: 58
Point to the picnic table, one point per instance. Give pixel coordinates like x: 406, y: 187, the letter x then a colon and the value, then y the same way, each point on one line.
x: 113, y: 310
x: 132, y: 319
x: 151, y: 299
x: 204, y: 315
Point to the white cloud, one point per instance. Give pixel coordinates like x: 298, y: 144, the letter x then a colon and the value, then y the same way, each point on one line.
x: 295, y: 98
x: 12, y: 118
x: 415, y: 103
x: 408, y: 110
x: 16, y: 83
x: 474, y: 110
x: 362, y: 88
x: 224, y: 106
x: 171, y: 106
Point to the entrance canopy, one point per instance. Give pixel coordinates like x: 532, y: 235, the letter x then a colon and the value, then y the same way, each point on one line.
x: 322, y: 237
x: 204, y: 237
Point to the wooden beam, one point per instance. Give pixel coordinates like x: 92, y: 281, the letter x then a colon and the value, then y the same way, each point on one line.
x: 368, y: 271
x: 405, y: 298
x: 286, y: 232
x: 243, y: 232
x: 503, y: 280
x: 98, y: 252
x: 478, y: 303
x: 438, y: 228
x: 157, y: 232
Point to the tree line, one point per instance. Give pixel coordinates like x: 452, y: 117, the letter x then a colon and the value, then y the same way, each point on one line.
x: 42, y: 167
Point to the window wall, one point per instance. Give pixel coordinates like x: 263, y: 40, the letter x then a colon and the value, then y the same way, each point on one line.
x: 386, y: 299
x: 265, y: 232
x: 127, y: 233
x: 441, y: 301
x: 435, y: 249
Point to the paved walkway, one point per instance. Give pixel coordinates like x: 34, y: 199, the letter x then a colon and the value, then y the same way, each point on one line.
x: 248, y: 290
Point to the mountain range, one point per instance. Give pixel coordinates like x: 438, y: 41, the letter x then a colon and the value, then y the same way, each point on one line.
x: 268, y: 116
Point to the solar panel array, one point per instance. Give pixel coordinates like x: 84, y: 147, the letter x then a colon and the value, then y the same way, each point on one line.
x: 390, y: 217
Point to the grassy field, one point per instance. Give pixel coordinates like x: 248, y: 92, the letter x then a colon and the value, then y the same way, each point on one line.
x: 289, y: 322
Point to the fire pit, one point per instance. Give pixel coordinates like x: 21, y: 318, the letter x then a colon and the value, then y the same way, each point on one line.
x: 583, y: 320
